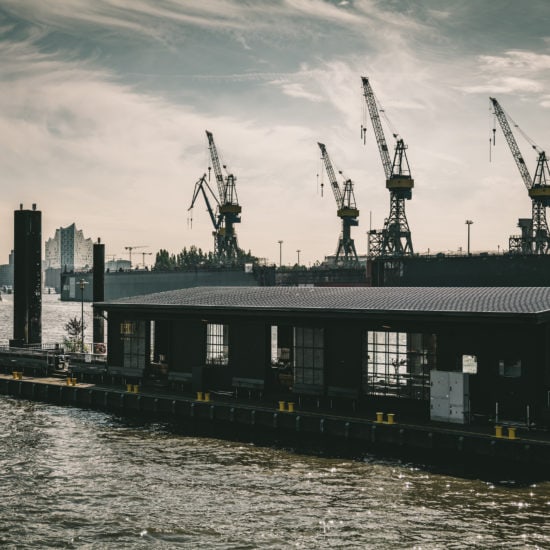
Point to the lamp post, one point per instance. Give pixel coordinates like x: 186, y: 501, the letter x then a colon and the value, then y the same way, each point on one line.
x: 469, y: 223
x: 298, y: 252
x: 82, y: 284
x: 280, y: 253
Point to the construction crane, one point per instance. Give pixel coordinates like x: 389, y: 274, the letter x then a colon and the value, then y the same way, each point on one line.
x: 347, y: 211
x: 143, y: 254
x: 224, y: 209
x: 535, y: 237
x: 395, y: 238
x: 130, y: 248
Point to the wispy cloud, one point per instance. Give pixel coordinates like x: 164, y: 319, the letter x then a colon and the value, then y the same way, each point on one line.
x: 513, y: 72
x: 518, y: 61
x: 105, y: 104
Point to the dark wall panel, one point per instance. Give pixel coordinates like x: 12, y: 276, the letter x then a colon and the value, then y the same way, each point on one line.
x: 249, y: 349
x: 343, y: 355
x: 188, y: 345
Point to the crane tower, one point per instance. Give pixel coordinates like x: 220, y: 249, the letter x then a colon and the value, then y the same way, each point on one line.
x: 535, y: 237
x: 225, y: 212
x: 347, y: 211
x: 394, y: 239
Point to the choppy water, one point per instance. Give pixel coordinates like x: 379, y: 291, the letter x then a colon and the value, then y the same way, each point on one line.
x: 74, y: 478
x: 82, y: 479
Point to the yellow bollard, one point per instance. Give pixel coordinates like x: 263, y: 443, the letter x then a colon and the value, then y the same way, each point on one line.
x: 379, y: 417
x: 199, y: 396
x: 129, y: 388
x: 136, y: 388
x: 391, y: 418
x: 282, y: 405
x: 511, y: 433
x: 69, y: 381
x: 20, y: 375
x: 74, y: 382
x: 498, y: 431
x: 15, y: 374
x: 290, y: 407
x: 206, y: 396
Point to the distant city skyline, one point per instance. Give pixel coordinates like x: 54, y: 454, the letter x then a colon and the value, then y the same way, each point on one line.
x: 105, y: 106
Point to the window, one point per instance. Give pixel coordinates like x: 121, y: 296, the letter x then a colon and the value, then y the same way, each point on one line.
x: 509, y: 368
x: 398, y: 364
x: 217, y: 344
x: 308, y: 356
x: 152, y: 340
x: 280, y: 342
x: 127, y: 328
x: 133, y: 338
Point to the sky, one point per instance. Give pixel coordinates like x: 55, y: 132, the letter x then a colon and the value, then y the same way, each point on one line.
x: 105, y: 104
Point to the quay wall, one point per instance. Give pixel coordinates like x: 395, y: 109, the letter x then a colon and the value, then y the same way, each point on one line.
x: 524, y: 453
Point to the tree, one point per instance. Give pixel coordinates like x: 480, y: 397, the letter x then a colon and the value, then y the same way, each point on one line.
x: 163, y: 261
x: 74, y: 328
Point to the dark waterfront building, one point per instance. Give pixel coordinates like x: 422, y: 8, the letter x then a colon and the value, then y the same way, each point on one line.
x: 461, y: 270
x: 27, y: 287
x: 462, y: 355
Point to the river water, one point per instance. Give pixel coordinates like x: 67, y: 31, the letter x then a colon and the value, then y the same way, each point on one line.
x: 73, y: 478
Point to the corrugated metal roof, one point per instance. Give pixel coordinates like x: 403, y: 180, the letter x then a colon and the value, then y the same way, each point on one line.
x: 482, y: 300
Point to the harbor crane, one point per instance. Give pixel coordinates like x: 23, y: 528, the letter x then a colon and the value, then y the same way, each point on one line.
x: 130, y: 248
x: 535, y: 237
x: 347, y: 211
x: 395, y: 238
x: 223, y: 208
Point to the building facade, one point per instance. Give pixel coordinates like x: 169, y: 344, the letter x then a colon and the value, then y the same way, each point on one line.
x: 397, y: 349
x: 69, y: 250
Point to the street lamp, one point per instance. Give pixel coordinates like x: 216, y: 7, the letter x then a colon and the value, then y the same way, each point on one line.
x: 280, y: 253
x: 469, y: 223
x: 82, y: 284
x: 298, y: 252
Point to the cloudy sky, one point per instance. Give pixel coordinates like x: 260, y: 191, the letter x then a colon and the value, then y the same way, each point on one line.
x: 105, y: 104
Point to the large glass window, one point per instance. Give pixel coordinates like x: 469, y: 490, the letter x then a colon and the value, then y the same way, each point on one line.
x: 309, y: 355
x: 217, y: 344
x: 398, y: 364
x: 134, y: 344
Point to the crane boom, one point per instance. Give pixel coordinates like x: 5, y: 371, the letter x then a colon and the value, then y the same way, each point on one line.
x: 217, y: 166
x: 377, y: 126
x: 331, y: 176
x: 516, y: 153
